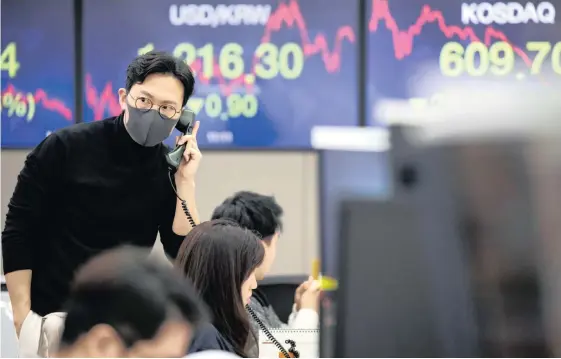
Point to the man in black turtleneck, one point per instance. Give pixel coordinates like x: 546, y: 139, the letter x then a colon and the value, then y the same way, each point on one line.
x: 95, y: 186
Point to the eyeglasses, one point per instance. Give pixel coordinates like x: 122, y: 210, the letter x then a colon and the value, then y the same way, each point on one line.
x: 167, y: 112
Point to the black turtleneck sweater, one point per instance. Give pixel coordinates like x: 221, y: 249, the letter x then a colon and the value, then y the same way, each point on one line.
x: 85, y: 189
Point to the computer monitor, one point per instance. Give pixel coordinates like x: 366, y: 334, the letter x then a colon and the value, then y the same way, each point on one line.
x: 466, y: 249
x: 343, y: 174
x: 478, y: 203
x: 383, y: 306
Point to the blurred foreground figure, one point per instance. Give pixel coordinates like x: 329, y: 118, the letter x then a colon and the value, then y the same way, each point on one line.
x: 124, y: 304
x: 212, y: 354
x: 474, y: 224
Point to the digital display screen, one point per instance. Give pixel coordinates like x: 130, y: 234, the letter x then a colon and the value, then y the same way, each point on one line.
x: 37, y: 63
x: 344, y: 175
x: 267, y: 71
x: 457, y: 40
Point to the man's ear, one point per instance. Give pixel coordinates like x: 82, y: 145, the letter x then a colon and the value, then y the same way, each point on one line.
x: 123, y: 98
x: 271, y: 240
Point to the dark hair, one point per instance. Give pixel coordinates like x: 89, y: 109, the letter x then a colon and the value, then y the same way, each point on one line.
x: 132, y: 293
x: 157, y: 62
x: 254, y: 211
x: 218, y: 256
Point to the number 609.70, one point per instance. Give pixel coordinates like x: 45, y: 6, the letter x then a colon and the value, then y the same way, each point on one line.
x: 476, y: 59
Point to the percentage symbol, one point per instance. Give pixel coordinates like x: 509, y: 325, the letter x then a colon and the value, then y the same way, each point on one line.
x: 20, y: 107
x: 15, y: 105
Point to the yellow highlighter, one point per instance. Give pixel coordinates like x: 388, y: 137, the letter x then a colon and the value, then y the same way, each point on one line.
x: 316, y: 268
x: 325, y: 283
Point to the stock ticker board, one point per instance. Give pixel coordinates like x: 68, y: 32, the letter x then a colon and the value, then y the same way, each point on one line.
x: 267, y: 71
x: 37, y: 59
x: 453, y: 41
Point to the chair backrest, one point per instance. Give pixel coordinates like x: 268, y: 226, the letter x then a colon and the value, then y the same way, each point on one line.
x: 280, y: 292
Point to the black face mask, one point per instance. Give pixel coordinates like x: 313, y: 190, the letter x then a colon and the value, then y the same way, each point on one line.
x: 148, y: 128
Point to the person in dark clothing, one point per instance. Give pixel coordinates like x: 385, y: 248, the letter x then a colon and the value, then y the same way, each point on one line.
x: 220, y: 258
x: 94, y: 186
x: 262, y: 215
x: 208, y: 337
x: 125, y: 304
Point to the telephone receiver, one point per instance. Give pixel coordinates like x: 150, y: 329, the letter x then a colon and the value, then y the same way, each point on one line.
x: 185, y: 126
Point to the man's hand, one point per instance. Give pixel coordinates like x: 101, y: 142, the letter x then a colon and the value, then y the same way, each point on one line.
x: 310, y: 297
x: 300, y: 290
x: 191, y: 158
x: 20, y: 312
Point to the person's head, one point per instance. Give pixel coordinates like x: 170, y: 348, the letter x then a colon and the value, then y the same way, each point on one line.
x: 220, y: 259
x: 258, y: 213
x: 123, y: 303
x: 156, y: 91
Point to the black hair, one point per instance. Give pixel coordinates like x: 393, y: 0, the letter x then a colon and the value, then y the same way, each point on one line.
x: 133, y: 293
x: 254, y: 211
x: 158, y: 62
x: 218, y: 256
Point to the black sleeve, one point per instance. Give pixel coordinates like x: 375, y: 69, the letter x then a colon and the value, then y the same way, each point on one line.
x: 170, y: 241
x: 32, y: 199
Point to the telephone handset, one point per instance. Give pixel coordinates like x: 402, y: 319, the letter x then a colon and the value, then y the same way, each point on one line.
x: 174, y: 157
x: 185, y: 126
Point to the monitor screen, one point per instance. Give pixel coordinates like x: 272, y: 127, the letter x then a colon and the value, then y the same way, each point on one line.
x: 343, y: 174
x: 452, y: 40
x: 383, y: 303
x: 460, y: 263
x: 347, y: 174
x: 267, y: 71
x: 37, y: 63
x: 486, y: 212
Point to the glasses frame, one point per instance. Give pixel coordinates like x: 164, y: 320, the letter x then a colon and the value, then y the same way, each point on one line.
x: 164, y: 117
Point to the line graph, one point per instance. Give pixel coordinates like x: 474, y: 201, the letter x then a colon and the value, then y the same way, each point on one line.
x: 41, y: 97
x: 99, y: 102
x: 286, y: 14
x: 403, y: 40
x: 289, y: 15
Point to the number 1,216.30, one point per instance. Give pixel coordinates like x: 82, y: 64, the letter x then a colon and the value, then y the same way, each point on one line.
x: 286, y: 60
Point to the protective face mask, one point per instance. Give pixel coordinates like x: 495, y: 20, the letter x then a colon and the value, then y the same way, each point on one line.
x: 148, y: 128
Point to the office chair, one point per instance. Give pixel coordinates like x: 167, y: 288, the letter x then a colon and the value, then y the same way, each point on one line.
x: 280, y: 292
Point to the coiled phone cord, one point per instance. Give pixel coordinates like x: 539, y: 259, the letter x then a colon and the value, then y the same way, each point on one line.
x: 268, y: 333
x: 183, y: 203
x: 251, y: 312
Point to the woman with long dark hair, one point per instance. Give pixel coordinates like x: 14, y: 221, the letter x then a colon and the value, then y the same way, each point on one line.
x: 220, y: 259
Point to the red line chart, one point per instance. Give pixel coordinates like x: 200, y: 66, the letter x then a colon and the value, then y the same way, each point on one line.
x: 289, y: 15
x: 286, y: 15
x: 403, y: 39
x: 42, y: 98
